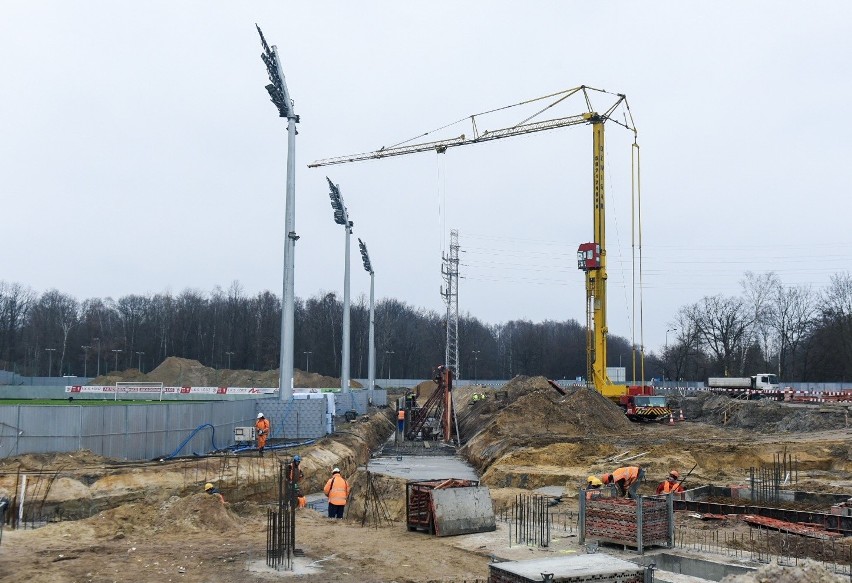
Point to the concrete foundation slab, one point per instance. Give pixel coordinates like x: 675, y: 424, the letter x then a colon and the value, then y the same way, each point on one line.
x: 599, y: 568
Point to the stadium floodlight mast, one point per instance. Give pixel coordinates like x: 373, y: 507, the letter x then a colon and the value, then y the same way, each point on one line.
x: 341, y: 217
x: 280, y: 96
x: 371, y: 360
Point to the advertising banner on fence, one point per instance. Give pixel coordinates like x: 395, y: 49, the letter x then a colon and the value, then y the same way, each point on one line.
x: 111, y: 390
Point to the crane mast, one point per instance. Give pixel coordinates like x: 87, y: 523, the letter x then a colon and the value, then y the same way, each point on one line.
x: 591, y: 257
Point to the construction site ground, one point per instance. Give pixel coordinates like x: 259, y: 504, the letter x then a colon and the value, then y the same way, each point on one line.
x: 150, y: 521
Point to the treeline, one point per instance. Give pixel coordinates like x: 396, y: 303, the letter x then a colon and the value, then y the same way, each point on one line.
x: 800, y: 333
x: 227, y: 328
x: 797, y: 332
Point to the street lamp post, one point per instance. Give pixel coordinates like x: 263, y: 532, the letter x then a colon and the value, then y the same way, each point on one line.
x: 139, y: 356
x: 98, y: 340
x: 387, y: 352
x: 307, y: 354
x: 341, y: 217
x: 50, y: 352
x: 667, y: 337
x: 371, y: 359
x: 475, y: 359
x: 116, y: 351
x: 230, y: 354
x: 85, y: 359
x: 280, y: 96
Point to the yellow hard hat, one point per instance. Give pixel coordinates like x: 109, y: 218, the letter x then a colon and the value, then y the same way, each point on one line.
x: 208, y: 486
x: 594, y: 481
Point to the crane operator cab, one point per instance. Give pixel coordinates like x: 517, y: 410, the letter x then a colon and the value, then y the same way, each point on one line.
x: 589, y: 256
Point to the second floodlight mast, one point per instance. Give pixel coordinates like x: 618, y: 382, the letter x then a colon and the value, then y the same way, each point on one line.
x: 371, y: 360
x: 341, y: 217
x: 281, y: 98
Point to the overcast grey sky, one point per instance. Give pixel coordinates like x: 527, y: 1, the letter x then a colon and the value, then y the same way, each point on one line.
x: 139, y: 152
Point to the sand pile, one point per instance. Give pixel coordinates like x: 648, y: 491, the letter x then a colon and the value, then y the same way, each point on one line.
x: 805, y: 572
x: 184, y: 372
x: 539, y: 418
x: 763, y: 415
x: 371, y: 502
x: 199, y: 512
x: 521, y: 385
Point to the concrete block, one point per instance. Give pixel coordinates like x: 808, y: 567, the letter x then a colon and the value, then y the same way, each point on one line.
x: 462, y: 511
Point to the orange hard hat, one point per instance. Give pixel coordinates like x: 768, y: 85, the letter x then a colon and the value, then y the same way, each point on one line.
x: 674, y: 474
x: 606, y: 478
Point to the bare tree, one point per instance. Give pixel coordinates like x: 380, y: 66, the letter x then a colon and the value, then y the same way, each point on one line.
x: 760, y: 290
x: 723, y: 325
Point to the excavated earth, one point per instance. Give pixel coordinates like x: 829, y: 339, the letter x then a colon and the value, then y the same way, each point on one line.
x: 114, y: 521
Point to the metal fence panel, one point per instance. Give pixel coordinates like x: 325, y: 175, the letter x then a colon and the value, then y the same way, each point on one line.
x: 8, y: 431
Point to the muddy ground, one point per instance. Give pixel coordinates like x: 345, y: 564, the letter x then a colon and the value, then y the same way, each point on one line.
x: 150, y: 521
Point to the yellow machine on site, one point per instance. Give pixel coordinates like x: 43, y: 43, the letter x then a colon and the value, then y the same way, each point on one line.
x: 591, y: 257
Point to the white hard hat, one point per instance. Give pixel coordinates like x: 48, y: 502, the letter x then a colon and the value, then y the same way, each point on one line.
x: 259, y: 415
x: 335, y: 471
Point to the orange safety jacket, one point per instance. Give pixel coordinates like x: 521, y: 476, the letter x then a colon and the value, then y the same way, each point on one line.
x: 337, y: 490
x: 629, y: 474
x: 262, y: 427
x: 401, y: 415
x: 669, y: 486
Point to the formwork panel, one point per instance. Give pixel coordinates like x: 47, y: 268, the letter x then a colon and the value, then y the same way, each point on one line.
x: 597, y: 568
x: 351, y: 401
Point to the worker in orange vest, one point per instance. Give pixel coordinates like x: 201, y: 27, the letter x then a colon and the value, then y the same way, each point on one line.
x: 262, y: 431
x: 337, y: 490
x: 626, y: 479
x: 671, y: 484
x: 400, y: 423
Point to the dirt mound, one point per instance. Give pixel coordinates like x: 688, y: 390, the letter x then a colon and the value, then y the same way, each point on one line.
x: 184, y: 372
x: 373, y: 497
x: 199, y: 512
x: 596, y: 413
x: 521, y: 385
x: 805, y: 572
x: 764, y: 415
x: 424, y: 390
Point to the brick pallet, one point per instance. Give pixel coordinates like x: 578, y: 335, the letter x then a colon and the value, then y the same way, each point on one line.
x: 620, y: 521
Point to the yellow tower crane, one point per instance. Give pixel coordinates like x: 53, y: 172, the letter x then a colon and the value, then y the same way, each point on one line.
x: 591, y: 256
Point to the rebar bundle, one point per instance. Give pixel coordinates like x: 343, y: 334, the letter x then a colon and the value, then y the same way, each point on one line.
x: 766, y: 481
x: 281, y: 523
x: 531, y: 520
x: 375, y: 510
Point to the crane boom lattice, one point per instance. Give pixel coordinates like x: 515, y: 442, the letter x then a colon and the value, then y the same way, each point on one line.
x: 450, y: 293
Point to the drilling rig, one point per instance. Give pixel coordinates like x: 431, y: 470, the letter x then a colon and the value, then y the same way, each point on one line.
x: 591, y: 256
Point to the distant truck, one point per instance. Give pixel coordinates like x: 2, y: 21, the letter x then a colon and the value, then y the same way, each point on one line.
x: 760, y: 382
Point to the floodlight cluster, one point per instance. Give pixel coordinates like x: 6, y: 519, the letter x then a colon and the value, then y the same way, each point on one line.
x: 368, y: 267
x: 341, y: 216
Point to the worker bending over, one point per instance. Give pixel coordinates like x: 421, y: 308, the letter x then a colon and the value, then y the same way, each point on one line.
x: 593, y: 487
x: 626, y: 479
x: 671, y: 484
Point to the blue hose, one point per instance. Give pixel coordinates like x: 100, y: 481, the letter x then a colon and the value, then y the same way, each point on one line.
x: 191, y: 435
